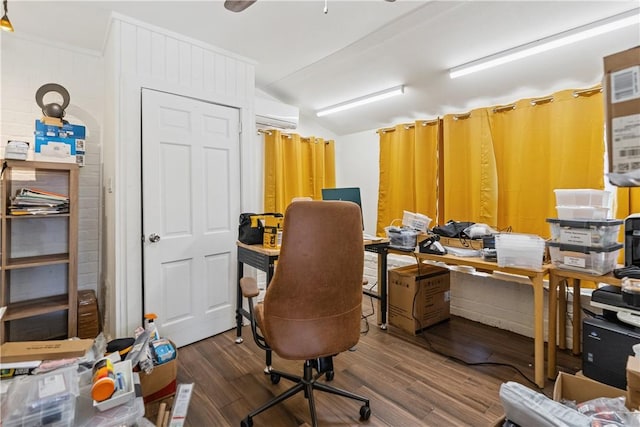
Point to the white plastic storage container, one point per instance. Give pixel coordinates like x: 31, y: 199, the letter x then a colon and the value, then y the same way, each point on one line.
x: 582, y: 212
x: 582, y: 197
x: 586, y: 259
x: 42, y: 400
x: 598, y: 233
x: 519, y: 250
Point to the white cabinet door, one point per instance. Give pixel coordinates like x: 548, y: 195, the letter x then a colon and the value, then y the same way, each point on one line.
x: 191, y: 204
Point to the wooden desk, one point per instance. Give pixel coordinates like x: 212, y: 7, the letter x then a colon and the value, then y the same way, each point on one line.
x: 536, y: 278
x: 265, y: 259
x: 558, y: 280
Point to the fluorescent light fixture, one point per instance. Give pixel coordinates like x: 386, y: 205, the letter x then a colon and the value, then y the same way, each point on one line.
x: 367, y: 99
x: 593, y: 29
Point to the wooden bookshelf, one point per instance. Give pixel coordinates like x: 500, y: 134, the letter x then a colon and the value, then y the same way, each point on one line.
x: 20, y: 251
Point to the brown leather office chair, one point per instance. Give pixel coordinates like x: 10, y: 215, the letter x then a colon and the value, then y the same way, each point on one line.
x: 312, y: 307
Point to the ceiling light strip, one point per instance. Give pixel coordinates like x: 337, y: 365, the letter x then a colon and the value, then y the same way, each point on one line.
x: 356, y: 102
x: 593, y: 29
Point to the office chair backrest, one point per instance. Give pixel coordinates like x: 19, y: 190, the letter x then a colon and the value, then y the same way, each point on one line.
x: 312, y: 307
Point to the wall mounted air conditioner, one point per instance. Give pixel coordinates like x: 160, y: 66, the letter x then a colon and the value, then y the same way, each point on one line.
x: 276, y: 114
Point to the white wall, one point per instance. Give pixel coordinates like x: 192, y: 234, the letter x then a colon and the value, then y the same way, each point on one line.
x: 27, y: 64
x: 142, y: 55
x: 357, y: 165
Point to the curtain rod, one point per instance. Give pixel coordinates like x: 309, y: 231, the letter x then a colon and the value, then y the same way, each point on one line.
x: 462, y: 116
x: 587, y: 92
x: 542, y: 100
x: 409, y: 125
x: 503, y: 108
x: 302, y: 138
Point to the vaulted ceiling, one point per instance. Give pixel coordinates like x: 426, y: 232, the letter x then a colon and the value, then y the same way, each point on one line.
x: 311, y: 59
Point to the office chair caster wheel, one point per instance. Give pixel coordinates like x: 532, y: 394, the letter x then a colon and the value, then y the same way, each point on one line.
x: 365, y: 412
x: 275, y: 379
x: 329, y: 375
x: 247, y: 422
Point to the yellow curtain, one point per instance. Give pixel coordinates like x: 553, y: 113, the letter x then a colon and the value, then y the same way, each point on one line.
x: 408, y: 171
x: 544, y: 144
x: 295, y: 167
x: 470, y: 177
x: 627, y: 202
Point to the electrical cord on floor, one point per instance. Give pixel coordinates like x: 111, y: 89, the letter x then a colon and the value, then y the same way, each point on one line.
x: 365, y: 317
x: 456, y: 359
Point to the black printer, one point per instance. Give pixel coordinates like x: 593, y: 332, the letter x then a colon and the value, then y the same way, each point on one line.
x: 608, y: 339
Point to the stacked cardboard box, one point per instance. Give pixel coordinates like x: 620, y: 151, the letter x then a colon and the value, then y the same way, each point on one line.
x: 88, y: 318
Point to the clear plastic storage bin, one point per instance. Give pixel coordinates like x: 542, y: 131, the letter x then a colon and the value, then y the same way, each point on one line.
x: 582, y: 212
x: 598, y: 233
x: 403, y: 238
x: 42, y: 400
x: 586, y: 259
x: 519, y: 250
x: 582, y: 197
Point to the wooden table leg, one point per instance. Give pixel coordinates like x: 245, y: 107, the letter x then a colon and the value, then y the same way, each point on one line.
x: 577, y: 318
x: 538, y: 320
x: 553, y: 316
x: 562, y: 315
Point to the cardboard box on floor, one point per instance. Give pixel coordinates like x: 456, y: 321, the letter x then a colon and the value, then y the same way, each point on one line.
x: 633, y: 383
x: 419, y: 296
x: 161, y: 382
x: 580, y: 389
x: 622, y: 94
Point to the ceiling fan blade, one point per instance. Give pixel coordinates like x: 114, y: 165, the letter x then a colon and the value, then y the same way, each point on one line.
x: 238, y: 5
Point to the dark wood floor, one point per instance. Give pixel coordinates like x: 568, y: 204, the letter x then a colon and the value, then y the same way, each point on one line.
x: 406, y: 382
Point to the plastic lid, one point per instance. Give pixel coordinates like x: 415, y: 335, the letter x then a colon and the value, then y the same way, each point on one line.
x: 150, y: 316
x: 103, y: 389
x: 584, y: 223
x: 585, y: 249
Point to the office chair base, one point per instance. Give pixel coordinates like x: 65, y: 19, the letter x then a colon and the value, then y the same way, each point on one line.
x: 307, y: 384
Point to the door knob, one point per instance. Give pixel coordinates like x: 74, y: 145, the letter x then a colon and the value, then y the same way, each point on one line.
x: 153, y: 237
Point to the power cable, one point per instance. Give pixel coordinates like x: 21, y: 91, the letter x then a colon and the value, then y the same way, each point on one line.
x: 456, y: 359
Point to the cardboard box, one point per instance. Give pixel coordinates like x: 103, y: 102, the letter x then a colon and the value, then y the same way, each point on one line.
x: 23, y: 351
x: 456, y: 242
x: 633, y: 382
x: 580, y: 389
x: 622, y: 95
x: 161, y: 382
x: 418, y: 297
x: 58, y: 143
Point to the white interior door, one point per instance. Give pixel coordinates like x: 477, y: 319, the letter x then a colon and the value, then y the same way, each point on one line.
x: 191, y: 204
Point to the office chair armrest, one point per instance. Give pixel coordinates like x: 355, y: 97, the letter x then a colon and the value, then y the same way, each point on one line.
x: 249, y: 287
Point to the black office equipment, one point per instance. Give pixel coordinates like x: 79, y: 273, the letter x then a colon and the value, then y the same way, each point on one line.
x: 606, y: 346
x: 349, y: 194
x: 431, y: 245
x: 632, y: 240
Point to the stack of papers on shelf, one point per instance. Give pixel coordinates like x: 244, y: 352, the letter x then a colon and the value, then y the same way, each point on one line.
x: 31, y: 201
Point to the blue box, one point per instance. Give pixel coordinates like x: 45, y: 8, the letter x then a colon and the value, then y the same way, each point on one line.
x: 57, y: 144
x: 66, y: 131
